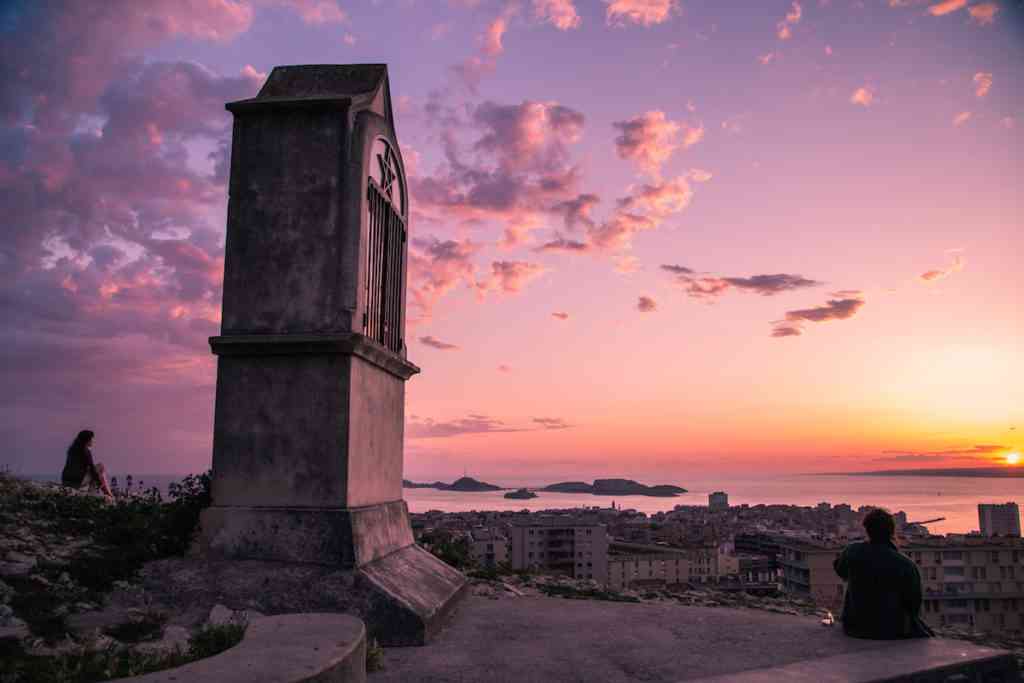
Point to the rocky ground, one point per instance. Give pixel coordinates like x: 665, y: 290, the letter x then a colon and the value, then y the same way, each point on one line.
x: 71, y: 605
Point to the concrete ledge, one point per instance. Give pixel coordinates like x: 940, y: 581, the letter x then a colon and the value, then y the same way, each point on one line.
x: 413, y: 595
x: 342, y: 537
x: 351, y: 343
x: 291, y: 648
x: 918, y: 661
x: 537, y: 640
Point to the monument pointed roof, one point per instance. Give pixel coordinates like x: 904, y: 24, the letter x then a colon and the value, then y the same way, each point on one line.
x: 365, y: 86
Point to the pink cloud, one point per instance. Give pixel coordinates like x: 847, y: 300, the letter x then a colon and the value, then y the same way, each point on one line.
x: 314, y: 11
x: 617, y: 232
x: 642, y: 12
x: 436, y: 268
x: 516, y: 173
x: 527, y: 136
x: 646, y: 304
x: 834, y: 309
x: 946, y: 7
x: 435, y: 343
x: 491, y: 45
x: 937, y: 274
x: 984, y: 13
x: 862, y: 96
x: 560, y: 315
x: 982, y: 83
x: 703, y: 286
x: 961, y: 118
x: 644, y: 208
x: 510, y: 276
x: 577, y: 211
x: 250, y: 72
x: 559, y: 13
x: 566, y: 245
x: 651, y: 138
x: 792, y: 18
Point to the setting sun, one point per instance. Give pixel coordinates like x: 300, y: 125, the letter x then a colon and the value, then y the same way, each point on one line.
x: 1012, y: 458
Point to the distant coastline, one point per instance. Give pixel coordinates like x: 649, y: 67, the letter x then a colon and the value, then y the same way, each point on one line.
x: 600, y: 487
x: 986, y: 472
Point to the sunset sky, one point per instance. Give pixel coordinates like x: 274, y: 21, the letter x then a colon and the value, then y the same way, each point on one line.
x: 650, y: 238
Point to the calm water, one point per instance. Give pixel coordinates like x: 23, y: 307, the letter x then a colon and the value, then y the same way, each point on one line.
x: 921, y: 498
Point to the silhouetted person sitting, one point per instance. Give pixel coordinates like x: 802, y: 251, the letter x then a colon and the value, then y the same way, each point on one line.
x: 883, y: 590
x: 81, y: 470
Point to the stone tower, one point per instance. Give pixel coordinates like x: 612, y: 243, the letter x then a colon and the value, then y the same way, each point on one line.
x: 311, y: 359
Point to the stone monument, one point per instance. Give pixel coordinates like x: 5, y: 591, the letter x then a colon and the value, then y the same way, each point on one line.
x: 311, y: 359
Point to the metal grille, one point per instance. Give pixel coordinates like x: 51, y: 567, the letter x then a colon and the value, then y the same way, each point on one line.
x: 385, y: 256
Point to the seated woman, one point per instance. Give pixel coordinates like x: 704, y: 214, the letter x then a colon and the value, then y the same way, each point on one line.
x: 81, y: 470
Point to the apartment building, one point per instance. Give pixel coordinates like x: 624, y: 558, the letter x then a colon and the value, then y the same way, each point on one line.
x: 488, y: 547
x: 660, y: 564
x: 650, y: 567
x: 996, y: 519
x: 974, y: 583
x: 718, y: 501
x: 807, y: 571
x: 575, y: 546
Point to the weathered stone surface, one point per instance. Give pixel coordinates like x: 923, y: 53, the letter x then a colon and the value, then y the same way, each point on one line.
x: 414, y: 594
x: 290, y: 648
x: 335, y: 537
x: 908, y: 661
x: 548, y: 639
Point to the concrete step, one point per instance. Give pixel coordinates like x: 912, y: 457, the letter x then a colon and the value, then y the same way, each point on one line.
x: 290, y: 648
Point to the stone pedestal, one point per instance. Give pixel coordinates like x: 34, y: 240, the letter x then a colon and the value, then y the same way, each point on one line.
x: 309, y: 418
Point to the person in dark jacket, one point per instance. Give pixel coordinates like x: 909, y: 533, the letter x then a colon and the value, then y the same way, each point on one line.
x: 883, y: 589
x: 80, y: 469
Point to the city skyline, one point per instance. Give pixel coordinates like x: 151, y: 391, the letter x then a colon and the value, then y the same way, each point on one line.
x: 649, y: 239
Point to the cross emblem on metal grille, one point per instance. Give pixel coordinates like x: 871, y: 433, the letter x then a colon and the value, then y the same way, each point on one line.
x: 387, y: 164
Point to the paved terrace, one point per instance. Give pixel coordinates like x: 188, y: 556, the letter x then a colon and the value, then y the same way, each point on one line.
x: 543, y: 640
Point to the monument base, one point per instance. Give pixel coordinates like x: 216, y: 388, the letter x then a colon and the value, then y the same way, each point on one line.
x: 336, y: 537
x: 413, y: 595
x: 402, y: 592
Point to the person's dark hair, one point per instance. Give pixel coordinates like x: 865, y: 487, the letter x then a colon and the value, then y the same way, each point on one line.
x: 880, y: 525
x: 83, y: 438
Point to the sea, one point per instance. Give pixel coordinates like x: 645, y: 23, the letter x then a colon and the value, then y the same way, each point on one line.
x: 955, y: 499
x: 923, y: 498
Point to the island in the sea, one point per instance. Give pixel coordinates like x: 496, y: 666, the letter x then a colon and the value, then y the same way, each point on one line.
x: 521, y: 494
x: 616, y: 487
x: 461, y: 484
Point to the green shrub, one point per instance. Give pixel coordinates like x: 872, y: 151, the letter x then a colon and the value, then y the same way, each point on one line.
x: 113, y: 661
x: 455, y: 552
x: 214, y: 639
x: 374, y: 656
